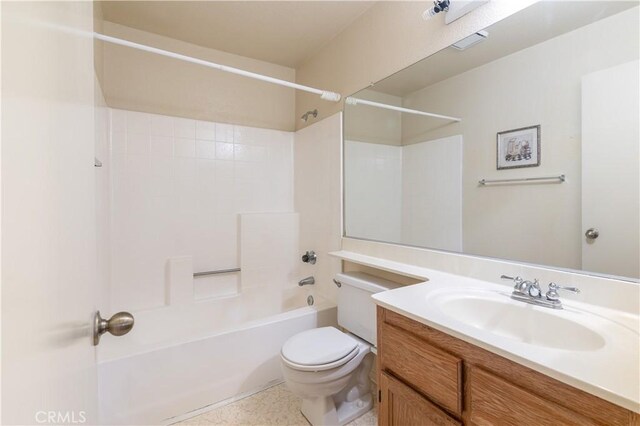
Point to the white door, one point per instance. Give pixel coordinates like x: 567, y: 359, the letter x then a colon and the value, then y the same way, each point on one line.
x: 48, y: 215
x: 610, y: 170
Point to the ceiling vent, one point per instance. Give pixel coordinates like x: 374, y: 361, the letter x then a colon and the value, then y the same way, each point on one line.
x: 473, y: 39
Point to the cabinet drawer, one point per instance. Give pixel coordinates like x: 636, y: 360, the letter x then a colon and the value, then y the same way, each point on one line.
x: 433, y: 372
x: 492, y: 400
x: 402, y: 406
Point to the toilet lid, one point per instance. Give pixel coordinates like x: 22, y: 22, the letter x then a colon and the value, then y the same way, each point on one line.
x: 319, y: 346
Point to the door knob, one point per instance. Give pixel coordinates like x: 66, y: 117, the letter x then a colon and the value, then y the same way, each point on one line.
x: 118, y: 325
x: 592, y: 234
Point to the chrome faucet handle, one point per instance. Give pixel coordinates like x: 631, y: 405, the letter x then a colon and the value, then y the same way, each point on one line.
x: 552, y: 293
x: 507, y: 277
x: 516, y: 279
x: 520, y: 283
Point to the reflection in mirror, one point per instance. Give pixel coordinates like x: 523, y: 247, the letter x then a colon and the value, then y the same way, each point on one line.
x: 543, y: 166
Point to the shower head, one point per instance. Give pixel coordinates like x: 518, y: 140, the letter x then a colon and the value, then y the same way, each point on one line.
x: 306, y: 115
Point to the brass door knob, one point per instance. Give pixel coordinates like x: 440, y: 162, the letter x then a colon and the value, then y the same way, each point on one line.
x: 118, y: 325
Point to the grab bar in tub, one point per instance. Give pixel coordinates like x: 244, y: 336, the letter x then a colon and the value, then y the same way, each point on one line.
x: 220, y: 271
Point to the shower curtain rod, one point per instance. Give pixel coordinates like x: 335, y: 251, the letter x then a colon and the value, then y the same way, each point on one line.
x: 324, y: 94
x: 357, y: 101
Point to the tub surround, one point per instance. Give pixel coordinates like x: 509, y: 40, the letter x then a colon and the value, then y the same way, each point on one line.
x: 181, y: 187
x: 185, y: 196
x: 619, y: 325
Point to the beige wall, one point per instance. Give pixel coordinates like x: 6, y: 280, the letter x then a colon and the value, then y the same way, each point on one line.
x: 140, y: 81
x: 387, y: 38
x: 373, y: 47
x: 539, y: 85
x: 98, y: 53
x: 102, y: 196
x: 374, y: 125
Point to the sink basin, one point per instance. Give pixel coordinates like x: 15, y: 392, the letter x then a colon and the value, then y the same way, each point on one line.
x: 497, y: 313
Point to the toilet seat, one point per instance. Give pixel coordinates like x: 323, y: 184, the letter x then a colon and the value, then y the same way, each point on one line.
x: 319, y: 349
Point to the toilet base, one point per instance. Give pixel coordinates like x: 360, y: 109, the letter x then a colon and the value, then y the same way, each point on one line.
x: 348, y: 411
x: 348, y: 404
x: 323, y: 411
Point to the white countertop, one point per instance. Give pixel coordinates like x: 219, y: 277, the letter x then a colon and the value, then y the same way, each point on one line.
x: 611, y: 372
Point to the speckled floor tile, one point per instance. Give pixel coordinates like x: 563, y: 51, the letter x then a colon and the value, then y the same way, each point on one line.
x: 275, y: 406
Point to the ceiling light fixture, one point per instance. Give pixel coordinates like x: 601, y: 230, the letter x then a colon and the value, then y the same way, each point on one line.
x: 438, y: 6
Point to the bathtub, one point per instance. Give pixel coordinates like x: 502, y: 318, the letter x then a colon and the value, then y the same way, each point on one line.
x: 180, y: 361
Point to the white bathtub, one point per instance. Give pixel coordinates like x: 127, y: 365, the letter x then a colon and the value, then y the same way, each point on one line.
x: 183, y: 359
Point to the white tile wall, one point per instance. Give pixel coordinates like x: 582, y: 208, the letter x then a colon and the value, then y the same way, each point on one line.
x: 373, y: 186
x: 269, y: 250
x: 432, y: 193
x: 405, y: 194
x: 178, y: 186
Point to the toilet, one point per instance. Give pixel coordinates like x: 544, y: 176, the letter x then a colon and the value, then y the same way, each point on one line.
x: 328, y: 368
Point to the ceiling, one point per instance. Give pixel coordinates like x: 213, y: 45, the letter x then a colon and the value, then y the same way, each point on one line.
x: 280, y: 32
x: 533, y: 25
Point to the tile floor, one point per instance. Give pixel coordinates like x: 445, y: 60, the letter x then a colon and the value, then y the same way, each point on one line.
x: 275, y: 406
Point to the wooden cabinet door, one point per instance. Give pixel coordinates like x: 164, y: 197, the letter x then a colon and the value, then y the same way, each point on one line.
x: 426, y: 368
x: 402, y: 406
x: 493, y: 401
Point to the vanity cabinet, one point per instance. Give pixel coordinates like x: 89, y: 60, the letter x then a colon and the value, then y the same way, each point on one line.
x: 404, y: 406
x: 427, y: 377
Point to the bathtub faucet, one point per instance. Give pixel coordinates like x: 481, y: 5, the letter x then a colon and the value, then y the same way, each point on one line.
x: 307, y: 281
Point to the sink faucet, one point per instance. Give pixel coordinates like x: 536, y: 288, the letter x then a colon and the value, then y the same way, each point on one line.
x: 530, y: 292
x: 552, y: 293
x: 307, y: 281
x: 524, y: 287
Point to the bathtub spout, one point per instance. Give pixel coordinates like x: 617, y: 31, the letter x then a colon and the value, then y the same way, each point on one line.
x: 307, y: 281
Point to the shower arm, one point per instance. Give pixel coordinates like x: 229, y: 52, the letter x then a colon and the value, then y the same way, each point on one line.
x: 324, y: 94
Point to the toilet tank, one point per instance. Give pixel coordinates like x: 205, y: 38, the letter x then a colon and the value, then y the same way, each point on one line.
x: 356, y: 308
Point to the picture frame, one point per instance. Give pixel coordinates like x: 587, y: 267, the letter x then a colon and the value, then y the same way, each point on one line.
x: 518, y: 148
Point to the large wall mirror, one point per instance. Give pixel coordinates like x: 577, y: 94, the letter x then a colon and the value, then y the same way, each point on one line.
x: 531, y: 153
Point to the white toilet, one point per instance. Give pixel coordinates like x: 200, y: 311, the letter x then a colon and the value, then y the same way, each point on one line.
x: 330, y: 369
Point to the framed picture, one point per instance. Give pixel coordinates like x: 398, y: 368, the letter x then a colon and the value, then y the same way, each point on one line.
x: 519, y: 148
